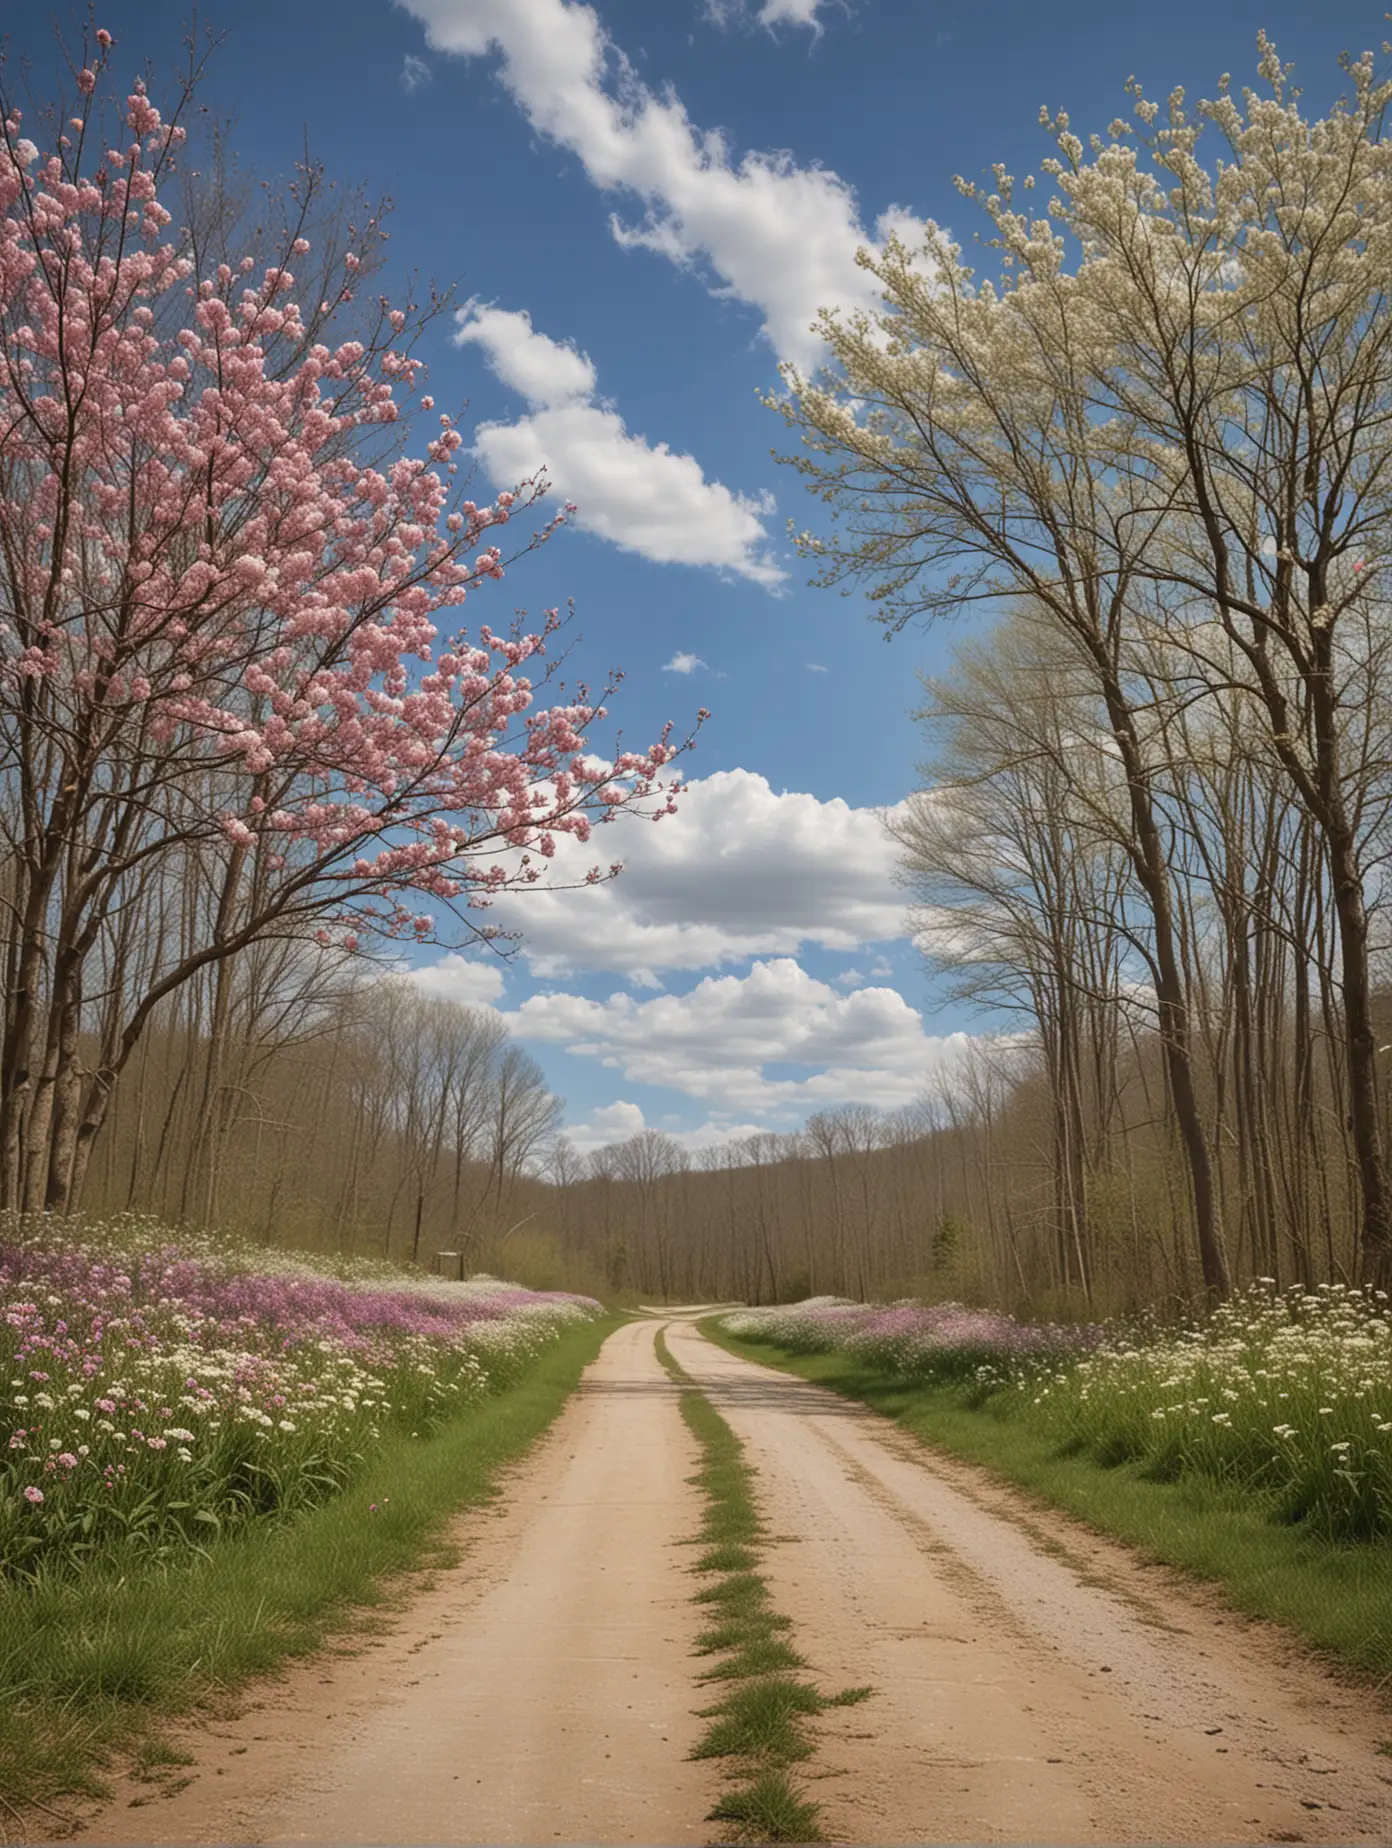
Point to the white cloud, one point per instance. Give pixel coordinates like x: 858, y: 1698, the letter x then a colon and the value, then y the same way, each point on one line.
x: 791, y: 13
x: 815, y: 667
x: 738, y: 871
x: 414, y: 72
x: 780, y: 237
x: 683, y: 664
x: 639, y: 495
x: 770, y: 13
x: 459, y: 978
x: 546, y: 372
x: 618, y: 1121
x: 715, y: 1043
x: 614, y: 1122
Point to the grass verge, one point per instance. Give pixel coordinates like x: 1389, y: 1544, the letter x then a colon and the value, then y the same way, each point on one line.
x: 759, y: 1722
x: 92, y: 1667
x: 1335, y: 1596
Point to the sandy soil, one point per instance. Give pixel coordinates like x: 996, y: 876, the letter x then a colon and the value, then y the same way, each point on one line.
x: 543, y: 1690
x: 1034, y: 1683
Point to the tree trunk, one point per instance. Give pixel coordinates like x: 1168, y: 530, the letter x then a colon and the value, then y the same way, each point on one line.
x: 1360, y: 1040
x: 1172, y: 1007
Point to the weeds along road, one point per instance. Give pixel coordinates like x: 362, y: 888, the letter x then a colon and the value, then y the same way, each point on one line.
x: 1032, y: 1683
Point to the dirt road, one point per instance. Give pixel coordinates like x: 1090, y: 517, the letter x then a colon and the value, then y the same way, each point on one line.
x: 1032, y: 1683
x: 543, y: 1691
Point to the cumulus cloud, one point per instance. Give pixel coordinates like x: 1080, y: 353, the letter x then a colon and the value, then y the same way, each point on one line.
x: 547, y: 373
x: 614, y: 1122
x: 716, y: 1042
x: 459, y: 978
x: 775, y: 235
x: 639, y: 495
x: 740, y: 870
x: 618, y: 1121
x: 683, y: 664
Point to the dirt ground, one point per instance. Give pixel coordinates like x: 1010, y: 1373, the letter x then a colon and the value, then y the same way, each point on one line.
x: 1032, y: 1683
x: 544, y: 1690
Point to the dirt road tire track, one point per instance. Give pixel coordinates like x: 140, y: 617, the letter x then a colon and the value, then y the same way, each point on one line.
x: 1033, y: 1683
x: 544, y: 1690
x: 1023, y: 1695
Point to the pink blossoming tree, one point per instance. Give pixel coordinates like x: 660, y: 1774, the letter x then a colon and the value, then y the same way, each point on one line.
x: 230, y: 655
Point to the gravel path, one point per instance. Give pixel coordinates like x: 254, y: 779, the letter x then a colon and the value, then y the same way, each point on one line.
x: 1033, y: 1682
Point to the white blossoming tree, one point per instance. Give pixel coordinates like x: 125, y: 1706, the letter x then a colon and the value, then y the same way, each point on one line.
x: 1167, y: 411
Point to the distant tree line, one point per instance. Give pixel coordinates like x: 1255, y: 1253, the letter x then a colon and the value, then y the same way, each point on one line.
x: 367, y: 1118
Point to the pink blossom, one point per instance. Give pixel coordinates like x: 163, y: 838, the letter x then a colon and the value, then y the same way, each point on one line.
x: 33, y: 1495
x: 294, y: 636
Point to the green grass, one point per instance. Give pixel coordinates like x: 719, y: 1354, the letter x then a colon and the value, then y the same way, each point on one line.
x: 1335, y: 1596
x: 768, y: 1809
x: 90, y: 1668
x: 758, y: 1722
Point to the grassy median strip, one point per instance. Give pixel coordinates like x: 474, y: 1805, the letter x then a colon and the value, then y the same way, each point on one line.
x: 760, y: 1720
x: 92, y: 1666
x: 1334, y: 1595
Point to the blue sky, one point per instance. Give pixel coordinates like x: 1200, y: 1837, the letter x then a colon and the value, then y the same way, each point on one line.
x: 642, y: 202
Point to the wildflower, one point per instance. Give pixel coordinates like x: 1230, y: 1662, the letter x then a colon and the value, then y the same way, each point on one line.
x: 33, y: 1495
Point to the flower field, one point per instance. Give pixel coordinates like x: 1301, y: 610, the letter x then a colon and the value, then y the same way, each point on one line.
x: 1281, y: 1397
x: 941, y: 1342
x: 157, y: 1394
